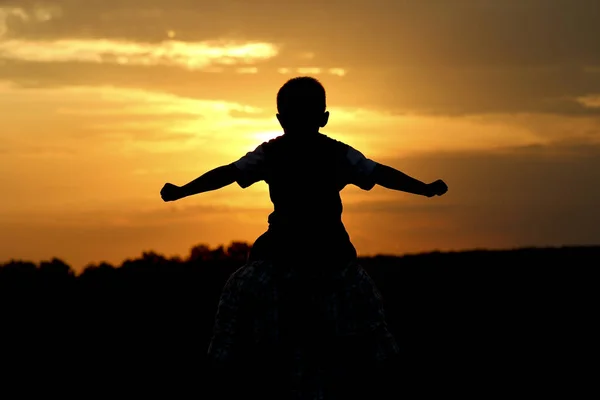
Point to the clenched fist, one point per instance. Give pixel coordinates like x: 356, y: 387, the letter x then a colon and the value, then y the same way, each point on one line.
x: 436, y: 188
x: 171, y: 192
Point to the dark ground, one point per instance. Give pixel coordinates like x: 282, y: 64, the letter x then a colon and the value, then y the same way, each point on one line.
x: 471, y: 324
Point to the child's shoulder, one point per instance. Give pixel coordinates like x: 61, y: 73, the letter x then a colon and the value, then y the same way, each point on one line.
x: 318, y: 143
x: 331, y: 143
x: 273, y: 143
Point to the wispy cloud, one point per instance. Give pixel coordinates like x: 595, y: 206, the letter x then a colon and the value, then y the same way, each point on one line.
x: 131, y: 120
x: 19, y: 14
x: 212, y: 56
x: 113, y: 100
x: 7, y: 13
x: 160, y: 122
x: 189, y: 55
x: 206, y: 55
x: 312, y: 71
x: 592, y: 101
x: 139, y: 101
x: 381, y: 134
x: 337, y: 71
x: 247, y: 70
x: 150, y: 120
x: 309, y: 70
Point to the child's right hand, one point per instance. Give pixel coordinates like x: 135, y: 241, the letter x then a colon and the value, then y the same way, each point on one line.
x: 171, y: 192
x: 437, y: 188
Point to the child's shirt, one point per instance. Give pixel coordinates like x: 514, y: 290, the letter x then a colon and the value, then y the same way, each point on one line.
x: 305, y: 176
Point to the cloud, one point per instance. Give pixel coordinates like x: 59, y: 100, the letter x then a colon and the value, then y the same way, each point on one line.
x: 309, y: 70
x: 35, y: 14
x: 153, y: 119
x: 441, y: 90
x: 247, y: 70
x: 337, y: 71
x: 10, y: 12
x: 189, y: 55
x: 476, y: 57
x: 139, y: 101
x: 592, y: 101
x: 379, y: 133
x: 207, y: 55
x: 312, y: 71
x: 117, y: 120
x: 525, y: 196
x: 375, y: 32
x: 115, y: 102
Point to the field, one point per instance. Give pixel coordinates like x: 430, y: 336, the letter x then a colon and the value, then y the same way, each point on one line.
x: 474, y: 323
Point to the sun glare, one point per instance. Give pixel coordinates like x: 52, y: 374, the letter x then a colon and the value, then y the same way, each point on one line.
x: 260, y: 137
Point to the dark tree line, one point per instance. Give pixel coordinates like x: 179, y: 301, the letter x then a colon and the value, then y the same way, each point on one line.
x: 473, y: 322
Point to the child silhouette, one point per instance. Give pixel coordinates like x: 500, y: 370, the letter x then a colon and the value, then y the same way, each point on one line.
x: 302, y: 302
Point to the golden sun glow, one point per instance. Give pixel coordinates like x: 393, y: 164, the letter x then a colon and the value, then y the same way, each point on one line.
x: 102, y: 103
x: 260, y: 137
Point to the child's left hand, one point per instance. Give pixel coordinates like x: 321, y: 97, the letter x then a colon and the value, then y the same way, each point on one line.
x: 437, y: 188
x: 171, y: 192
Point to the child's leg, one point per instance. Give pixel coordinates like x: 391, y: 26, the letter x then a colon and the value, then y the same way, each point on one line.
x: 233, y: 355
x: 262, y: 248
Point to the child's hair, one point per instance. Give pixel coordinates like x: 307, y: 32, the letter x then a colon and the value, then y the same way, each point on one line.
x: 303, y: 96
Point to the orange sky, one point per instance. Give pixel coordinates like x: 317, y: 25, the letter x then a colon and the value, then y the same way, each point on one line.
x: 102, y: 102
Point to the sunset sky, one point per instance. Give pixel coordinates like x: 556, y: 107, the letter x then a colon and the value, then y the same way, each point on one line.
x: 103, y: 101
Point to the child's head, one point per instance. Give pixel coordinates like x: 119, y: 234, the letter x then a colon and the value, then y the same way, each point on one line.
x: 301, y: 105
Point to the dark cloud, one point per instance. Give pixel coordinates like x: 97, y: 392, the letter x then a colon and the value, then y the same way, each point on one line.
x: 462, y: 91
x: 539, y: 195
x: 253, y: 89
x: 442, y: 92
x: 442, y: 57
x: 469, y: 32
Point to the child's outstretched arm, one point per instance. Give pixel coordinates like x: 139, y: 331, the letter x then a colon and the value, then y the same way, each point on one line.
x: 212, y: 180
x: 246, y: 171
x: 391, y: 178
